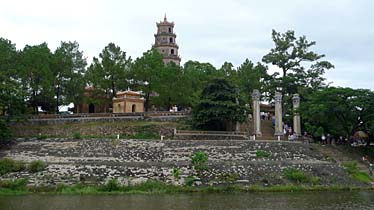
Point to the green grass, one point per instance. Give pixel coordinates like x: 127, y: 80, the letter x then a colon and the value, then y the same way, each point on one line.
x: 17, y: 185
x: 351, y: 168
x: 153, y: 187
x: 298, y: 176
x: 262, y: 153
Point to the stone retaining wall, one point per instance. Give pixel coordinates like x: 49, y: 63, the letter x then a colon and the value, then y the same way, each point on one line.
x: 97, y: 129
x: 133, y: 161
x: 53, y: 119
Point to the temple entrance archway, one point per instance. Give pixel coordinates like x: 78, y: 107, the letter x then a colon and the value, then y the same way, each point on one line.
x: 91, y: 108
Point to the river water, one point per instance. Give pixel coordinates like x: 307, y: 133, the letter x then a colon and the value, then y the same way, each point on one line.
x: 203, y: 201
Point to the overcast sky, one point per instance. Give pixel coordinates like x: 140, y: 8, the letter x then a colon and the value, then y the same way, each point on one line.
x: 207, y: 31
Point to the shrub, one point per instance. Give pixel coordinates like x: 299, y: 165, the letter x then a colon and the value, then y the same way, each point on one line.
x: 18, y: 184
x: 229, y: 177
x: 190, y: 180
x: 199, y: 161
x: 77, y: 135
x: 9, y: 165
x: 36, y: 166
x: 176, y: 172
x: 293, y: 174
x: 111, y: 185
x: 42, y: 136
x: 262, y: 153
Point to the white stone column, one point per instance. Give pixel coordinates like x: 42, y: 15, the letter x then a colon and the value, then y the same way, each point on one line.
x: 296, y: 115
x: 278, y: 115
x: 256, y: 113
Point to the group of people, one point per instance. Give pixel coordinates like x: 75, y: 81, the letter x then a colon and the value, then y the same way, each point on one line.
x: 329, y: 139
x: 266, y: 116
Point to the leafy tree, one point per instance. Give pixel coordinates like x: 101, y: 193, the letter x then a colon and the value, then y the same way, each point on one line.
x: 37, y: 76
x: 11, y: 94
x: 339, y: 111
x: 172, y: 87
x: 8, y: 57
x: 109, y: 72
x: 250, y: 77
x: 198, y: 74
x: 301, y: 68
x: 218, y: 107
x: 146, y: 74
x: 69, y: 68
x: 227, y: 69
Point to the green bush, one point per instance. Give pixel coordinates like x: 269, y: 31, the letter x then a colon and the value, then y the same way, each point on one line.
x: 176, y: 172
x: 190, y: 180
x: 296, y: 175
x: 229, y: 177
x: 77, y: 135
x: 111, y: 186
x: 36, y: 166
x: 42, y: 136
x: 9, y: 165
x: 200, y: 161
x: 17, y: 185
x: 262, y: 153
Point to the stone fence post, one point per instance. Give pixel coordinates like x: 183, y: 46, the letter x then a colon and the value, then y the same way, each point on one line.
x: 256, y: 113
x: 296, y: 115
x: 278, y: 115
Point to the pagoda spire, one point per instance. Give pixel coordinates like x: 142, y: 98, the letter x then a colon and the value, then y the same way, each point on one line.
x: 165, y: 41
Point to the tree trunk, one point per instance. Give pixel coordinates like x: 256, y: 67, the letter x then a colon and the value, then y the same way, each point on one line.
x: 146, y: 101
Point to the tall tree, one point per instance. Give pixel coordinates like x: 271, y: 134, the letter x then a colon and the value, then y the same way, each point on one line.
x: 173, y: 87
x: 146, y: 74
x: 11, y: 95
x: 301, y: 68
x: 8, y: 57
x: 10, y: 87
x: 250, y: 77
x: 69, y: 68
x: 109, y: 73
x: 37, y: 76
x: 218, y: 107
x: 198, y: 74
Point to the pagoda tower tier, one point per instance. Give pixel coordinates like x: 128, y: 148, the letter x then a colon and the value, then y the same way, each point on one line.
x: 165, y: 41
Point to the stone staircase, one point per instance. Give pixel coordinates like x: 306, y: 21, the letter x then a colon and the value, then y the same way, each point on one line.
x: 267, y: 130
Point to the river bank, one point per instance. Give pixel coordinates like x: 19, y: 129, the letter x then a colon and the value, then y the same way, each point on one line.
x: 156, y: 187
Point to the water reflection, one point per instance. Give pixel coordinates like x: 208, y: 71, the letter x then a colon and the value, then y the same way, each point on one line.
x: 233, y: 201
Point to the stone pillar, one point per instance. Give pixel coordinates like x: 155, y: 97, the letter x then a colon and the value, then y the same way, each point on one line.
x: 278, y: 115
x: 256, y: 113
x: 237, y: 127
x: 296, y: 115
